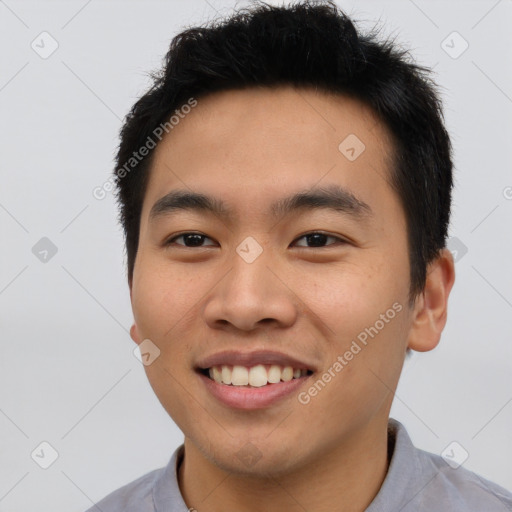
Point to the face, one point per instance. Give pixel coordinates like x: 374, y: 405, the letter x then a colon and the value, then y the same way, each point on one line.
x: 320, y: 289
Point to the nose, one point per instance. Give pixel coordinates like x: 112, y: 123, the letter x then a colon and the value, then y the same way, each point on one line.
x: 251, y: 295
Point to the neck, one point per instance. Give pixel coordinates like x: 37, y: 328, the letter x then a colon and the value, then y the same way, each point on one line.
x: 346, y: 478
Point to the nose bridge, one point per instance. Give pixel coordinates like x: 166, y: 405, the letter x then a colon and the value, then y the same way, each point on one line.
x: 250, y: 292
x: 250, y: 270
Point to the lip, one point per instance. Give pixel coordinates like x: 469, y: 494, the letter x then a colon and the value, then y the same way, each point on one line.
x: 248, y: 398
x: 234, y: 358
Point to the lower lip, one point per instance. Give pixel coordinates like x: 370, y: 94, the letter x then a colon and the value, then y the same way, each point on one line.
x: 247, y: 398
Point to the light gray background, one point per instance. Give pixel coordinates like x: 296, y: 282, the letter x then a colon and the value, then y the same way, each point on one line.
x: 68, y: 375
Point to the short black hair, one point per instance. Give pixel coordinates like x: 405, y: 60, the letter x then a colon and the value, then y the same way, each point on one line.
x: 305, y: 44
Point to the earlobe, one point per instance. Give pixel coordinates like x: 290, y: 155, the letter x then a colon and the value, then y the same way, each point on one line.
x: 134, y: 334
x: 432, y: 307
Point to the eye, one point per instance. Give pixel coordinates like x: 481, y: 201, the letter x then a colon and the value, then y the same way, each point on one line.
x: 194, y: 239
x: 191, y: 240
x: 317, y: 238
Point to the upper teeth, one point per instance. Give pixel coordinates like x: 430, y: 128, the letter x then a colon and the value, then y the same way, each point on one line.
x: 255, y: 376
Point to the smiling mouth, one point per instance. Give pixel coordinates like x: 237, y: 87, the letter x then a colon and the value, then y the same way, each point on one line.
x: 253, y: 376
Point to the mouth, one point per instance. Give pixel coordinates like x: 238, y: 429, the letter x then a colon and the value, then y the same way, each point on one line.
x: 255, y: 376
x: 252, y: 380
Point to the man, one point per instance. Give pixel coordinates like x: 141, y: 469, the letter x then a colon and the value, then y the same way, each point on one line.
x: 285, y: 192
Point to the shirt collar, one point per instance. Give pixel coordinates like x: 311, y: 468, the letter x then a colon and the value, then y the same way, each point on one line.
x: 166, y: 492
x: 401, y: 478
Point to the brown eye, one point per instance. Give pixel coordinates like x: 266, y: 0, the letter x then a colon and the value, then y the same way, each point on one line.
x: 318, y: 239
x: 190, y: 240
x: 314, y: 240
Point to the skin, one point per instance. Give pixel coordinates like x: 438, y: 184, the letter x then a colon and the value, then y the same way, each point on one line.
x: 250, y: 148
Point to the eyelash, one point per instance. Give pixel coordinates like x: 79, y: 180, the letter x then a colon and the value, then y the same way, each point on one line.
x: 340, y: 240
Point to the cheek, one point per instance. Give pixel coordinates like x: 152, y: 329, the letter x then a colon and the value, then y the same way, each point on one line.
x: 161, y: 298
x: 162, y: 304
x: 363, y: 310
x: 352, y: 293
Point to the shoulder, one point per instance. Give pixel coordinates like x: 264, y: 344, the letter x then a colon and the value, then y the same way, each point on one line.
x: 156, y: 490
x: 458, y: 488
x: 421, y: 481
x: 136, y: 496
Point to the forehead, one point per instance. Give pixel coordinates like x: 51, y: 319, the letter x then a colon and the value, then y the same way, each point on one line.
x: 256, y: 143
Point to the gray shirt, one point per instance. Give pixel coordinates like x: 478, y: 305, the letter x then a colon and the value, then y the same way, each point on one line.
x: 416, y: 481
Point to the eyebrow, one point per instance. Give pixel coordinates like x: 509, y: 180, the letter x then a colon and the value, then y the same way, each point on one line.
x: 331, y: 197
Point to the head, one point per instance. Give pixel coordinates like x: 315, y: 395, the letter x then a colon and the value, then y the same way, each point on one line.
x: 273, y: 103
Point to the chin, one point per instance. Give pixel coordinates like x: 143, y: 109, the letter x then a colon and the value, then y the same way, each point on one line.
x: 254, y: 458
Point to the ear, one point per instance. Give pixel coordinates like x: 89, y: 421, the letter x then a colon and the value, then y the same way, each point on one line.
x: 134, y: 334
x: 431, y: 308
